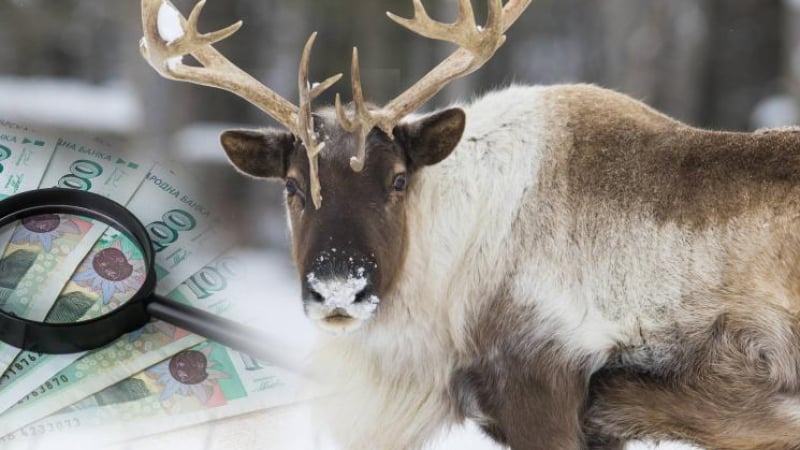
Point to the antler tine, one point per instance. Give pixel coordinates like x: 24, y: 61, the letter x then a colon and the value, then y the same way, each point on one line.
x: 318, y: 89
x: 364, y: 120
x: 215, y: 70
x: 494, y: 21
x: 341, y: 114
x: 465, y: 11
x: 421, y: 23
x: 212, y: 37
x: 365, y: 116
x: 305, y: 126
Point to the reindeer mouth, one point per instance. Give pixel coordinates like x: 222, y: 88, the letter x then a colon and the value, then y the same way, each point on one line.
x: 339, y: 317
x: 339, y: 322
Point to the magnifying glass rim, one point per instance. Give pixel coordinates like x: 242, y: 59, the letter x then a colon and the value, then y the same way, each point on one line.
x: 56, y: 338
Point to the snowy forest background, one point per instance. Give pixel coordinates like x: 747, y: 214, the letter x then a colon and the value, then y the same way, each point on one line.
x: 74, y: 65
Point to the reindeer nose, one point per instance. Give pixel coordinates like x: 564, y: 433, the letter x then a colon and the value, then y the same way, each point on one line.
x: 337, y: 291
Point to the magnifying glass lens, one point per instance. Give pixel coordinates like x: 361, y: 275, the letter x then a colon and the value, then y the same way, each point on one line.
x: 66, y: 268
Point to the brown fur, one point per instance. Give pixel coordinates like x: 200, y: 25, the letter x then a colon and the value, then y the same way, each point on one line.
x: 716, y: 377
x: 526, y: 397
x: 722, y: 393
x: 634, y: 158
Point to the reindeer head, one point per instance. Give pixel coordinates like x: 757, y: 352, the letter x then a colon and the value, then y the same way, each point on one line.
x: 348, y: 241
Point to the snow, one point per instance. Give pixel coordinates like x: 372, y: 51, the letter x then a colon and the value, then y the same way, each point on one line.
x: 338, y: 293
x: 775, y: 111
x: 169, y: 23
x: 174, y: 62
x: 112, y: 107
x: 199, y: 142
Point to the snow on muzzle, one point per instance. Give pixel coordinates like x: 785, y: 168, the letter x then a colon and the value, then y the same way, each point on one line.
x: 339, y: 296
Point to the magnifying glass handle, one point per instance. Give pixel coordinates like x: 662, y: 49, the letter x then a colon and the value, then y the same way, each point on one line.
x: 227, y: 332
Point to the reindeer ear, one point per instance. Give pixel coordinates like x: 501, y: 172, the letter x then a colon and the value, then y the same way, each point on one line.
x: 259, y: 153
x: 431, y: 139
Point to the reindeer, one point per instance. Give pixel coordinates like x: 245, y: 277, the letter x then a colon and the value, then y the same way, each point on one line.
x: 563, y: 265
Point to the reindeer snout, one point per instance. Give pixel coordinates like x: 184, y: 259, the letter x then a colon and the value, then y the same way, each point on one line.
x: 339, y: 291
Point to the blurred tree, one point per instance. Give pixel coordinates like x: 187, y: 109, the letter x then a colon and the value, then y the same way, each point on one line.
x: 705, y: 61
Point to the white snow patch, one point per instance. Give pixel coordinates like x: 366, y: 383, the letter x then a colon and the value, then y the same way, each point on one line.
x: 199, y: 142
x: 71, y: 104
x: 338, y: 293
x: 775, y: 111
x: 174, y: 62
x: 169, y: 23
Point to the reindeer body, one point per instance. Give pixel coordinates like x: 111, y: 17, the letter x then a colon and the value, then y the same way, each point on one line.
x: 575, y: 231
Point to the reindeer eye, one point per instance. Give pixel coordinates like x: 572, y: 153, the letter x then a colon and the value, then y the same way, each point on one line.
x: 291, y: 187
x: 399, y: 183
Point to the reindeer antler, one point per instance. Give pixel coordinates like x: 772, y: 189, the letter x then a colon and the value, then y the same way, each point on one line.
x: 168, y: 37
x: 476, y: 46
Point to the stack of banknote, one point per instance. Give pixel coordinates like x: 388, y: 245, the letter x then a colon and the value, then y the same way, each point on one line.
x: 61, y: 268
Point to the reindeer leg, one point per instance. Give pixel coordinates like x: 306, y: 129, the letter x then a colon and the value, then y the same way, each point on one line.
x: 531, y: 404
x: 732, y: 385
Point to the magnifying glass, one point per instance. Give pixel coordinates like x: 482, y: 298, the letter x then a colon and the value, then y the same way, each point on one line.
x: 143, y: 306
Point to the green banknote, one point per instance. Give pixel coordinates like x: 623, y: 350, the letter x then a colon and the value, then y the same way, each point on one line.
x: 187, y: 235
x: 40, y: 247
x: 196, y: 385
x: 108, y: 276
x: 45, y: 250
x: 24, y: 156
x: 214, y: 289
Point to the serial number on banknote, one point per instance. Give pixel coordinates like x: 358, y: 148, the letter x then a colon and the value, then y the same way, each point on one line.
x: 40, y: 429
x: 49, y: 427
x: 20, y: 366
x: 48, y: 386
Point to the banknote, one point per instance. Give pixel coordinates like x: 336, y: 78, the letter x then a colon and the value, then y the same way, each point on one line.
x: 24, y: 156
x: 214, y: 288
x: 196, y: 385
x: 45, y: 250
x: 107, y: 277
x: 186, y: 234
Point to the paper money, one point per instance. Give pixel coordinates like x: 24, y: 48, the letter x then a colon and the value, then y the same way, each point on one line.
x: 24, y: 155
x: 187, y: 235
x: 214, y: 289
x: 206, y: 382
x: 56, y: 253
x: 107, y: 277
x: 186, y: 230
